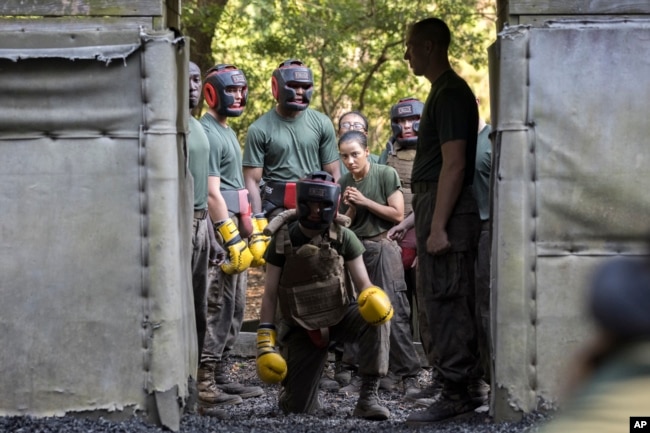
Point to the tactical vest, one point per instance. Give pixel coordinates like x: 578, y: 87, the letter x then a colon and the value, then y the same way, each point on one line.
x: 312, y: 290
x: 402, y: 162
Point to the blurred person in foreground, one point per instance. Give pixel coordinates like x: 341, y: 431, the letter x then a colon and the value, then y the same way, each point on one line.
x: 610, y: 378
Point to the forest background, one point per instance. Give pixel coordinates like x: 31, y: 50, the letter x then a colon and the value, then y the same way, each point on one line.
x: 355, y: 49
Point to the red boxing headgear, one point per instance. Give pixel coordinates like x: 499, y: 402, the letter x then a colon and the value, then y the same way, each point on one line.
x: 219, y: 78
x: 318, y: 187
x: 292, y: 71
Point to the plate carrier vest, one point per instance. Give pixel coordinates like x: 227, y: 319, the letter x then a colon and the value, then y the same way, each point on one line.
x: 312, y: 291
x: 402, y: 162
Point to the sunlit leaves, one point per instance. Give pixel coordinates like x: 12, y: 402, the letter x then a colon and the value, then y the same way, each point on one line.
x: 354, y: 47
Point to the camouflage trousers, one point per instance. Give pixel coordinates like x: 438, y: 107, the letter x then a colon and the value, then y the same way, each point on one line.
x: 226, y: 308
x: 305, y: 361
x: 200, y: 253
x: 483, y: 299
x: 447, y: 283
x: 384, y: 264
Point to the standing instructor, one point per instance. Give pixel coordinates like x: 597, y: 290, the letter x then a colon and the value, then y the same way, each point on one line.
x: 447, y: 222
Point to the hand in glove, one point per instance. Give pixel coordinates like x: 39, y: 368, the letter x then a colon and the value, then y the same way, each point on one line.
x: 375, y: 306
x: 271, y: 366
x: 258, y: 241
x: 239, y: 257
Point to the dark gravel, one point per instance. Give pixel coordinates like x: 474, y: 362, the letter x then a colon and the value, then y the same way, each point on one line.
x: 261, y: 415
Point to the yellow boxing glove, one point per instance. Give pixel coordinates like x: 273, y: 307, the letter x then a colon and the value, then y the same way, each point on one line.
x: 374, y: 306
x: 258, y: 241
x: 271, y: 366
x: 239, y: 256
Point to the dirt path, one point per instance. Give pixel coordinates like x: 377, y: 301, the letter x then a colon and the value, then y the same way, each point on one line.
x: 254, y: 293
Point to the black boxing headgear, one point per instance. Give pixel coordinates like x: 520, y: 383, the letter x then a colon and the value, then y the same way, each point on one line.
x: 217, y: 80
x: 619, y: 298
x: 292, y: 71
x: 318, y: 187
x: 407, y: 107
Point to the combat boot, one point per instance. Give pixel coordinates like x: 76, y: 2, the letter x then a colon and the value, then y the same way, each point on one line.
x: 479, y: 390
x: 390, y: 382
x: 353, y: 387
x: 411, y: 386
x: 454, y: 401
x: 208, y: 393
x: 327, y: 384
x: 342, y: 374
x: 227, y: 385
x: 426, y: 396
x: 368, y: 406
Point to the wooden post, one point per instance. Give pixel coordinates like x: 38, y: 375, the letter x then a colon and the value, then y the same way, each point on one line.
x: 75, y: 14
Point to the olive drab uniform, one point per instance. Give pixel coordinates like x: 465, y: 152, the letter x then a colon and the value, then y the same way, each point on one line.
x: 318, y: 309
x: 401, y: 159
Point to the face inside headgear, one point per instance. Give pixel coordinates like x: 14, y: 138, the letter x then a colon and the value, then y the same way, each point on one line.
x: 290, y: 74
x: 404, y: 109
x: 220, y: 83
x: 317, y: 191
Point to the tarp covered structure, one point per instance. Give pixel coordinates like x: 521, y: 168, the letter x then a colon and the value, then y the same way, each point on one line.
x: 96, y: 308
x: 569, y: 104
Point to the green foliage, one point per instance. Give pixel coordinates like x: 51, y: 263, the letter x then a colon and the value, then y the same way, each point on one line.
x: 354, y: 47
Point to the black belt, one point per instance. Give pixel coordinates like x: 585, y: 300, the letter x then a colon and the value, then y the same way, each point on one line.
x: 200, y: 214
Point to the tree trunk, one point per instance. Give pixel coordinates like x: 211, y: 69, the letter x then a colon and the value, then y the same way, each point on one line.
x: 200, y: 18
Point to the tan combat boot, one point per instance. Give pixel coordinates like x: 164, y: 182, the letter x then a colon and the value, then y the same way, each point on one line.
x: 368, y: 406
x: 209, y: 395
x: 223, y: 381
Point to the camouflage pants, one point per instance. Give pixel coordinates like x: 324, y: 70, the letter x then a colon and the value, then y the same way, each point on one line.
x: 226, y: 308
x: 422, y: 319
x: 200, y: 253
x: 483, y: 299
x: 305, y: 361
x: 383, y: 261
x: 447, y: 282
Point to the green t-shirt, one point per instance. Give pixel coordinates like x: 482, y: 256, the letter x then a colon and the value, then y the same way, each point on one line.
x: 225, y: 154
x: 450, y: 113
x: 347, y: 245
x: 482, y: 174
x: 288, y: 149
x: 379, y: 184
x: 199, y: 151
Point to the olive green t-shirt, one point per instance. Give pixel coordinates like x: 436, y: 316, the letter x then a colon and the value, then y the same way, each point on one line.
x: 225, y: 154
x: 450, y: 113
x: 199, y: 152
x: 288, y: 149
x: 347, y: 245
x: 379, y: 184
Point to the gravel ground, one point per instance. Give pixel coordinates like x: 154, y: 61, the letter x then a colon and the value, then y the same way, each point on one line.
x: 261, y: 415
